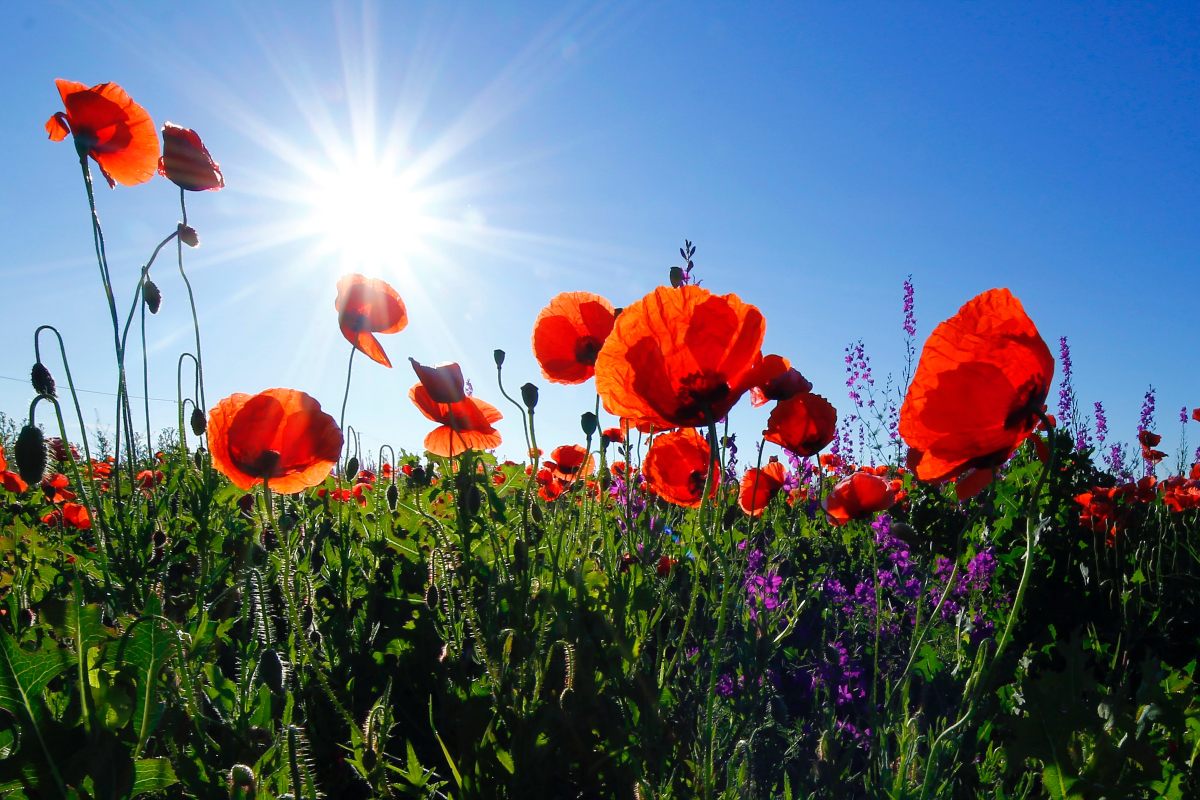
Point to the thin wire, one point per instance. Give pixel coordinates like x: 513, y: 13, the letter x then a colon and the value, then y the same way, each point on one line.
x: 92, y: 391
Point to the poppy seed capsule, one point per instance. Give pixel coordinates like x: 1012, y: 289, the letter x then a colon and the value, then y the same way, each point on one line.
x: 199, y: 423
x: 188, y: 235
x: 30, y: 453
x: 43, y: 382
x: 529, y: 396
x: 498, y: 355
x: 152, y: 296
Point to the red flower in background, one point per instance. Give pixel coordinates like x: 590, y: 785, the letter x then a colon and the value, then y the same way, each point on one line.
x: 571, y: 461
x: 465, y: 423
x: 978, y: 392
x: 55, y: 488
x: 71, y: 515
x: 367, y: 306
x: 11, y: 481
x: 108, y: 126
x: 680, y: 357
x: 1149, y: 441
x: 612, y: 436
x: 779, y: 381
x: 185, y: 161
x: 858, y: 496
x: 568, y: 335
x: 803, y: 424
x: 279, y: 435
x: 676, y: 467
x: 759, y: 486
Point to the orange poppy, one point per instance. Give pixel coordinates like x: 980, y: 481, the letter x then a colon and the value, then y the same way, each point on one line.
x: 444, y: 382
x: 759, y: 486
x: 803, y: 424
x: 860, y: 495
x: 367, y: 306
x: 978, y: 392
x: 779, y: 381
x: 463, y: 425
x: 278, y: 435
x: 108, y: 126
x: 186, y: 162
x: 676, y: 467
x: 568, y: 335
x: 680, y: 357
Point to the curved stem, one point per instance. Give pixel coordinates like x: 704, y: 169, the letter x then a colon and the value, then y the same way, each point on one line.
x: 346, y: 395
x: 191, y: 302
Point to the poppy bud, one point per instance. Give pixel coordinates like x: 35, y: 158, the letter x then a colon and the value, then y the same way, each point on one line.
x: 472, y: 499
x: 529, y: 395
x: 419, y: 476
x: 588, y: 422
x: 199, y: 423
x: 30, y: 452
x: 188, y: 235
x: 499, y: 356
x: 241, y: 781
x: 152, y: 296
x: 43, y: 382
x: 676, y: 277
x: 198, y: 459
x: 393, y: 496
x: 352, y: 467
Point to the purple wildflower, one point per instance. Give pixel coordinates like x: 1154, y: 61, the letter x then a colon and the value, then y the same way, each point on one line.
x: 1146, y: 419
x: 1066, y: 389
x: 910, y: 319
x: 1101, y: 424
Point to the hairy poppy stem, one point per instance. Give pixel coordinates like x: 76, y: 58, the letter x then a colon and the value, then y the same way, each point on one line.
x: 191, y: 302
x: 346, y: 394
x: 180, y: 401
x: 62, y: 349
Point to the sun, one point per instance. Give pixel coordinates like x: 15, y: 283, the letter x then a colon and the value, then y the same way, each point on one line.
x: 366, y: 213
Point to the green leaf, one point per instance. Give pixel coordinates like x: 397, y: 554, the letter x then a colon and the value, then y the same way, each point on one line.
x: 147, y: 647
x: 1058, y: 784
x: 151, y: 775
x: 24, y: 676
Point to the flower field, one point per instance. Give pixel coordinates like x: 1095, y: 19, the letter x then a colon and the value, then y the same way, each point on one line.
x: 958, y: 586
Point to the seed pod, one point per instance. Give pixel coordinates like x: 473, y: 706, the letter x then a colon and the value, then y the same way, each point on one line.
x: 199, y: 423
x: 188, y: 235
x: 498, y: 355
x: 152, y: 296
x: 588, y: 422
x: 529, y: 395
x: 393, y: 496
x: 43, y: 382
x: 30, y: 452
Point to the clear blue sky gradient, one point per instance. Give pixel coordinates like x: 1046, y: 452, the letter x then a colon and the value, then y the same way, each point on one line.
x: 816, y: 153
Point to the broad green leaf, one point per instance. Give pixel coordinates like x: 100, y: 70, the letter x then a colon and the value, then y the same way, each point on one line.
x: 151, y: 775
x: 147, y: 647
x: 24, y: 675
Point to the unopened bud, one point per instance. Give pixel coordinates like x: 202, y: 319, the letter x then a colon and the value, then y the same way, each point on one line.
x: 152, y: 296
x: 588, y: 422
x: 677, y: 276
x: 199, y: 423
x: 352, y: 468
x: 30, y: 452
x: 529, y: 395
x: 43, y: 381
x: 393, y: 496
x: 241, y: 778
x: 498, y: 355
x: 188, y: 235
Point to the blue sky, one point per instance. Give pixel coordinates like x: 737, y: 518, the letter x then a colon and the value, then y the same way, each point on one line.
x: 816, y: 154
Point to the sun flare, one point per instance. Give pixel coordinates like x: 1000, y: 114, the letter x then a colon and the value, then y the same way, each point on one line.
x: 367, y: 214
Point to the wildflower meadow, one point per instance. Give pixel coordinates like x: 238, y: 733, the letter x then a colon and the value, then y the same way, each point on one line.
x: 958, y: 582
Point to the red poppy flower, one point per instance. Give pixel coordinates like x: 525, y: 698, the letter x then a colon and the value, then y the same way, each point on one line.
x: 680, y: 357
x: 11, y: 481
x: 858, y: 496
x: 1196, y: 414
x: 367, y: 306
x: 1149, y: 441
x: 570, y: 462
x: 779, y: 380
x: 55, y: 488
x: 665, y: 565
x: 185, y: 161
x: 676, y: 467
x: 444, y: 382
x: 71, y: 514
x: 108, y: 126
x: 568, y: 335
x: 463, y: 425
x: 612, y: 436
x: 280, y: 435
x: 759, y: 486
x: 978, y: 392
x: 803, y: 424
